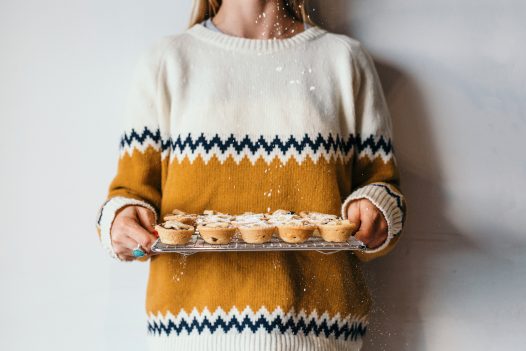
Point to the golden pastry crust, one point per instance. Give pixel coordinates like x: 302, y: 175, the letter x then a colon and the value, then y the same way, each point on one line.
x: 256, y: 234
x: 180, y: 235
x: 317, y: 218
x: 294, y: 234
x: 337, y: 231
x: 218, y: 233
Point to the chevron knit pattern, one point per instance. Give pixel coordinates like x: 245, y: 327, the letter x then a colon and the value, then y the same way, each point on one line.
x: 239, y: 147
x: 277, y: 321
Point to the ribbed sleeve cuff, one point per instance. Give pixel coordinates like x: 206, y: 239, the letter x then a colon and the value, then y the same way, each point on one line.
x: 107, y: 215
x: 388, y: 201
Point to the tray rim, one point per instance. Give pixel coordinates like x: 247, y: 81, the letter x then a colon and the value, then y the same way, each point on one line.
x: 197, y: 244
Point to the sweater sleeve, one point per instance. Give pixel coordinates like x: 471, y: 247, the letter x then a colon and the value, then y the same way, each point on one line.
x: 375, y: 174
x: 138, y: 177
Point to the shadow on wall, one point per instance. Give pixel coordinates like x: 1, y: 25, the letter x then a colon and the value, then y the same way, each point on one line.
x: 401, y: 282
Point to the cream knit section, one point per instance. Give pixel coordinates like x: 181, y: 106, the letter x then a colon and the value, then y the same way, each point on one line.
x: 255, y: 45
x: 203, y: 81
x: 248, y: 340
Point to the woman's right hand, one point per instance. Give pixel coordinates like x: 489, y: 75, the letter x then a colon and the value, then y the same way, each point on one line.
x: 133, y: 225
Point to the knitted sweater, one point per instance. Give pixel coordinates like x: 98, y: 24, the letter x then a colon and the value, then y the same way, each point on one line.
x: 220, y: 122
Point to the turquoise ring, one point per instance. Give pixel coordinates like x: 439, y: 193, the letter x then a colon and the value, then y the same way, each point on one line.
x: 138, y: 251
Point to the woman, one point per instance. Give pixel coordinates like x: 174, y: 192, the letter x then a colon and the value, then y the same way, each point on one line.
x: 255, y: 108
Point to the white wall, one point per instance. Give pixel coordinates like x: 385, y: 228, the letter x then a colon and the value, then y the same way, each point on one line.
x: 454, y: 76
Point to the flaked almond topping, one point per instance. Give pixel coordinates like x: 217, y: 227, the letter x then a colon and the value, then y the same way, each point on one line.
x: 280, y: 218
x: 282, y: 212
x: 214, y: 218
x: 318, y: 218
x: 179, y: 217
x: 335, y: 222
x: 217, y: 225
x: 296, y: 222
x: 259, y: 224
x: 253, y: 217
x: 176, y: 225
x: 339, y: 222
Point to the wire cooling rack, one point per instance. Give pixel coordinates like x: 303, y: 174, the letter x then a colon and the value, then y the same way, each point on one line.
x: 197, y: 244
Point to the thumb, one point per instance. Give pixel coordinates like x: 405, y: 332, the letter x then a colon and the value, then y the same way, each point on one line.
x: 353, y: 213
x: 146, y: 218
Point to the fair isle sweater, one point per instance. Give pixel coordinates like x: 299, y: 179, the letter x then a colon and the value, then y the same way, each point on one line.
x: 215, y: 121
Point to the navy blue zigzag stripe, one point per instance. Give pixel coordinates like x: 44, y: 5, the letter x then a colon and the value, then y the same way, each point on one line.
x: 128, y: 138
x: 334, y: 143
x: 354, y: 331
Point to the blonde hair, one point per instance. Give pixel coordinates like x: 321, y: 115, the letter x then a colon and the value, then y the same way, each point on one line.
x: 203, y: 9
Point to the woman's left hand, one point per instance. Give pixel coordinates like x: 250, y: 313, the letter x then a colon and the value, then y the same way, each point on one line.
x: 372, y: 226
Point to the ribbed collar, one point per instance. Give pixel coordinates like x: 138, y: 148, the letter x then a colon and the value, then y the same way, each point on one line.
x: 256, y: 45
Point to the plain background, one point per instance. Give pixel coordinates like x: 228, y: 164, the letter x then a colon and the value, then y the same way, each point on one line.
x: 454, y: 75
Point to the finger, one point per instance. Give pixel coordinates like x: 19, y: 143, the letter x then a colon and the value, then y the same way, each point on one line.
x: 146, y: 218
x: 126, y: 251
x: 379, y: 241
x: 369, y: 211
x: 365, y: 232
x: 125, y: 245
x: 353, y: 213
x: 380, y: 233
x: 141, y: 236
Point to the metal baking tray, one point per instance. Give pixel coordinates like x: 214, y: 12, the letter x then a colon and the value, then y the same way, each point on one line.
x: 197, y: 244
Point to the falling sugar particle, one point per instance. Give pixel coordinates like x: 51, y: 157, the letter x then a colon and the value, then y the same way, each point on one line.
x: 268, y: 209
x: 312, y: 87
x: 279, y: 68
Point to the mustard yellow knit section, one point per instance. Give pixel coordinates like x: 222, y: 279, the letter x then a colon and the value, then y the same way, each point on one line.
x: 289, y: 280
x: 299, y: 280
x: 139, y: 176
x: 259, y: 187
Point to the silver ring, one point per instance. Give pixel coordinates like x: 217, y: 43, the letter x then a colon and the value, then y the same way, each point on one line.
x: 138, y: 251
